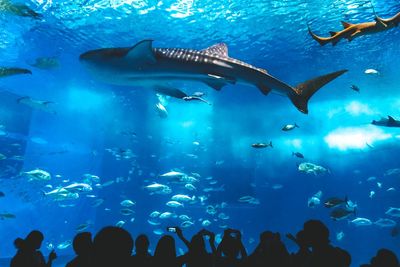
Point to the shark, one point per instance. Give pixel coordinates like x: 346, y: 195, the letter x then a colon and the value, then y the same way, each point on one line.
x: 389, y: 122
x: 9, y: 71
x: 351, y: 31
x: 144, y: 65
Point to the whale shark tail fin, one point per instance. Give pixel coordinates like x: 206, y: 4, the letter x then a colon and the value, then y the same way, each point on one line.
x: 303, y: 92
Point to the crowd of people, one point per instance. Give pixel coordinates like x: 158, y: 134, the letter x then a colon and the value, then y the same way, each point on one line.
x: 113, y: 247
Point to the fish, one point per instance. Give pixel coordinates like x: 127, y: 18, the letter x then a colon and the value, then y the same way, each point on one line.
x: 371, y: 72
x: 394, y: 212
x: 161, y: 110
x: 334, y: 202
x: 166, y: 215
x: 7, y: 216
x: 144, y: 65
x: 311, y: 168
x: 21, y: 10
x: 186, y: 224
x: 6, y: 71
x: 126, y: 212
x: 37, y: 175
x: 339, y: 236
x: 190, y: 187
x: 341, y: 213
x: 206, y: 223
x: 64, y: 245
x: 351, y: 31
x: 262, y: 145
x: 82, y: 227
x: 127, y: 203
x: 46, y: 63
x: 174, y: 204
x: 315, y: 200
x: 355, y: 88
x: 78, y: 188
x: 289, y: 127
x: 385, y: 223
x: 182, y: 198
x: 42, y: 105
x: 389, y: 122
x: 120, y: 224
x: 298, y: 154
x: 195, y: 98
x: 361, y: 221
x: 155, y: 214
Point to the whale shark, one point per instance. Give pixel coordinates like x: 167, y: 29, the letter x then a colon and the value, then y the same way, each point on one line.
x: 389, y: 122
x: 351, y: 31
x: 144, y: 65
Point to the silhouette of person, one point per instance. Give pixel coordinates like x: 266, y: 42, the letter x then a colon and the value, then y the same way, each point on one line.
x: 323, y: 253
x: 197, y: 255
x: 82, y: 245
x: 142, y: 258
x: 269, y: 252
x: 28, y: 254
x: 385, y: 258
x: 112, y: 246
x: 231, y: 252
x: 302, y: 256
x: 165, y: 253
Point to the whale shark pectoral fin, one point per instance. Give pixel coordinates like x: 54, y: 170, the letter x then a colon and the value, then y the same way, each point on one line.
x: 265, y: 90
x: 217, y: 82
x: 142, y: 52
x: 354, y: 34
x: 217, y: 49
x: 216, y: 85
x: 346, y: 24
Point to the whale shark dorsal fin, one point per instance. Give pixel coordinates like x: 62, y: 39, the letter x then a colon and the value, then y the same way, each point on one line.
x: 217, y: 49
x: 332, y: 33
x: 346, y: 24
x: 142, y: 52
x: 391, y: 120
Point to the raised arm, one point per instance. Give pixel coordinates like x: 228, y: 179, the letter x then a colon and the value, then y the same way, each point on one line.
x: 181, y: 237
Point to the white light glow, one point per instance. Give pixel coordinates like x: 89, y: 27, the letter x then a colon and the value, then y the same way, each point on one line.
x: 355, y: 138
x: 356, y: 108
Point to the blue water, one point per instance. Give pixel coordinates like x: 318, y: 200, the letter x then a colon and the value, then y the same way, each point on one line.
x: 91, y: 117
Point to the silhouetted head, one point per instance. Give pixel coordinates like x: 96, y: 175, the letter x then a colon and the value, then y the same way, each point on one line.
x: 32, y: 241
x: 165, y: 248
x: 316, y: 233
x: 230, y: 246
x: 82, y: 243
x: 112, y: 243
x: 266, y: 236
x: 197, y: 245
x: 386, y: 258
x: 142, y: 244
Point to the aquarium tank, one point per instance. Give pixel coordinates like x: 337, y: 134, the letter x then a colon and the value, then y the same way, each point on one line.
x: 253, y: 115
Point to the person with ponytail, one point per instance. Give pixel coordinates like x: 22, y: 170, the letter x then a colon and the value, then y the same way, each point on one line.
x: 28, y: 253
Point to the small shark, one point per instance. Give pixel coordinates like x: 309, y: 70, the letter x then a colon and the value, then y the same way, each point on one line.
x: 352, y: 31
x: 144, y: 65
x: 6, y: 71
x: 389, y: 122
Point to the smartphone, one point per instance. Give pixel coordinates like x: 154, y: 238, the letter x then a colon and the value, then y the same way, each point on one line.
x: 171, y: 229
